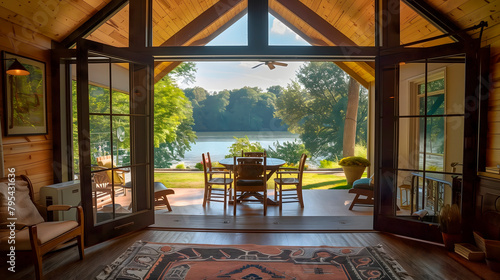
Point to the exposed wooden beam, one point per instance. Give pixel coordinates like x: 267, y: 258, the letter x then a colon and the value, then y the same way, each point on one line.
x: 258, y: 28
x: 389, y: 19
x: 317, y: 22
x: 139, y: 26
x: 439, y: 20
x: 246, y: 53
x: 206, y: 40
x: 198, y: 25
x: 353, y: 74
x: 318, y: 42
x: 201, y: 22
x: 166, y: 70
x: 322, y: 26
x: 94, y: 22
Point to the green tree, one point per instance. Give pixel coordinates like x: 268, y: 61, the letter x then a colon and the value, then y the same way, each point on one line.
x: 314, y: 106
x: 247, y: 108
x: 173, y: 121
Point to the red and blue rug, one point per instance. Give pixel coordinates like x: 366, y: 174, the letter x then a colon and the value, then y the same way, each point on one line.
x: 146, y: 260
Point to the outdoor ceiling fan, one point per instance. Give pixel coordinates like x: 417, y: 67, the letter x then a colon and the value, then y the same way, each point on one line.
x: 271, y: 64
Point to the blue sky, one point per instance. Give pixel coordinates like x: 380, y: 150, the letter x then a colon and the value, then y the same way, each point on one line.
x: 217, y: 76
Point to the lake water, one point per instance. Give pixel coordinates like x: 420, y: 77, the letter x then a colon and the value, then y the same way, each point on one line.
x: 218, y: 143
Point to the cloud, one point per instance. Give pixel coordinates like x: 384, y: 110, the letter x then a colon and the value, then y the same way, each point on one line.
x: 279, y: 28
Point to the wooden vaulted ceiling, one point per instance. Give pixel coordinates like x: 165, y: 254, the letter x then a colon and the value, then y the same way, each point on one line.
x: 196, y: 22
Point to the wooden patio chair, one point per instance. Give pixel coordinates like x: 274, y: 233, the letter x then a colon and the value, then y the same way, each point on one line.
x: 250, y: 179
x: 213, y: 193
x: 293, y: 194
x: 253, y: 154
x: 216, y: 169
x: 34, y: 234
x: 102, y: 188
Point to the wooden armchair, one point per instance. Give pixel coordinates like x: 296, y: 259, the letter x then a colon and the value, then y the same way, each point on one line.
x: 33, y: 234
x: 294, y: 180
x: 250, y: 179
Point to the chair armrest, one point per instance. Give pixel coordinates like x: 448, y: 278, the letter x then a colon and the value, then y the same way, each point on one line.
x: 122, y: 170
x: 59, y: 207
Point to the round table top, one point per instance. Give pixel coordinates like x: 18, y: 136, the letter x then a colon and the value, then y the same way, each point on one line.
x: 270, y: 162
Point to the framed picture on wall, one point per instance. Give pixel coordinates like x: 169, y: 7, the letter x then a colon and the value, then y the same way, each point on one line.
x: 24, y: 97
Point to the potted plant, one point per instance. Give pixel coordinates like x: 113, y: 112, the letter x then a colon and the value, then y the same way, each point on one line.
x: 450, y: 223
x: 353, y: 168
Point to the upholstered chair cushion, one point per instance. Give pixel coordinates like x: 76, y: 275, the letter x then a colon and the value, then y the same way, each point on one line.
x: 363, y: 183
x: 24, y: 209
x: 46, y: 231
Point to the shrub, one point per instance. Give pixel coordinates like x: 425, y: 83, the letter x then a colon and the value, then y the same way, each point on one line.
x: 326, y: 164
x: 353, y: 161
x: 199, y: 166
x: 180, y: 166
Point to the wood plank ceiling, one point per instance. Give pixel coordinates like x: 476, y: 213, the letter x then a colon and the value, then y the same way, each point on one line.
x: 196, y: 22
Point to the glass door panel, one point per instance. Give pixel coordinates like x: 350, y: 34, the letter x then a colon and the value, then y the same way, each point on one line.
x: 114, y: 121
x: 426, y: 171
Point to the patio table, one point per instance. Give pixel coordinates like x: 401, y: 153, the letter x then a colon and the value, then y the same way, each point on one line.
x: 272, y: 164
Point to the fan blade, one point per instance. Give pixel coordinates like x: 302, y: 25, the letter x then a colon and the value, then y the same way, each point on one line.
x: 280, y: 63
x: 258, y: 65
x: 270, y: 65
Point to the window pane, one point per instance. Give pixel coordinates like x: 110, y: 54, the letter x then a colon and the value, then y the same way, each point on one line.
x: 435, y: 105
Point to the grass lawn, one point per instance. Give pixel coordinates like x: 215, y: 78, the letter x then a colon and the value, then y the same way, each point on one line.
x: 314, y: 181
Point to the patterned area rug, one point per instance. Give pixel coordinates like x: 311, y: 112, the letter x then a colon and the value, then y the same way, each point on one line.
x: 146, y: 260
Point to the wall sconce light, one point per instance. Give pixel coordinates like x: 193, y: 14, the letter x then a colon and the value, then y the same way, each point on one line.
x: 16, y: 68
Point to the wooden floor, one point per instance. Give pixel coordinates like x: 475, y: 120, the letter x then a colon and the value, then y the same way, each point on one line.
x: 323, y: 210
x: 421, y: 260
x: 316, y: 203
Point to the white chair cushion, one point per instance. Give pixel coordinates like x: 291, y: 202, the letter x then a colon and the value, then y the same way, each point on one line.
x: 46, y: 232
x: 25, y: 211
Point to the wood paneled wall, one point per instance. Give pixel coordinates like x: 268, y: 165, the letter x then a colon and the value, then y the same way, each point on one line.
x: 30, y: 155
x: 491, y: 37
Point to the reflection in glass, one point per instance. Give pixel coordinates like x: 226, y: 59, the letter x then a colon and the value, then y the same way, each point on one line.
x: 99, y: 84
x: 111, y: 192
x: 121, y: 140
x: 100, y: 136
x: 430, y: 136
x: 121, y: 92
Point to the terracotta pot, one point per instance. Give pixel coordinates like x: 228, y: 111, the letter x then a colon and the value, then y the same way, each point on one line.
x: 353, y: 173
x: 449, y: 240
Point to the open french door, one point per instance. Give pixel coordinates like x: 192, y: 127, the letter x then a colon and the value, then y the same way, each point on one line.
x: 426, y: 122
x: 115, y: 124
